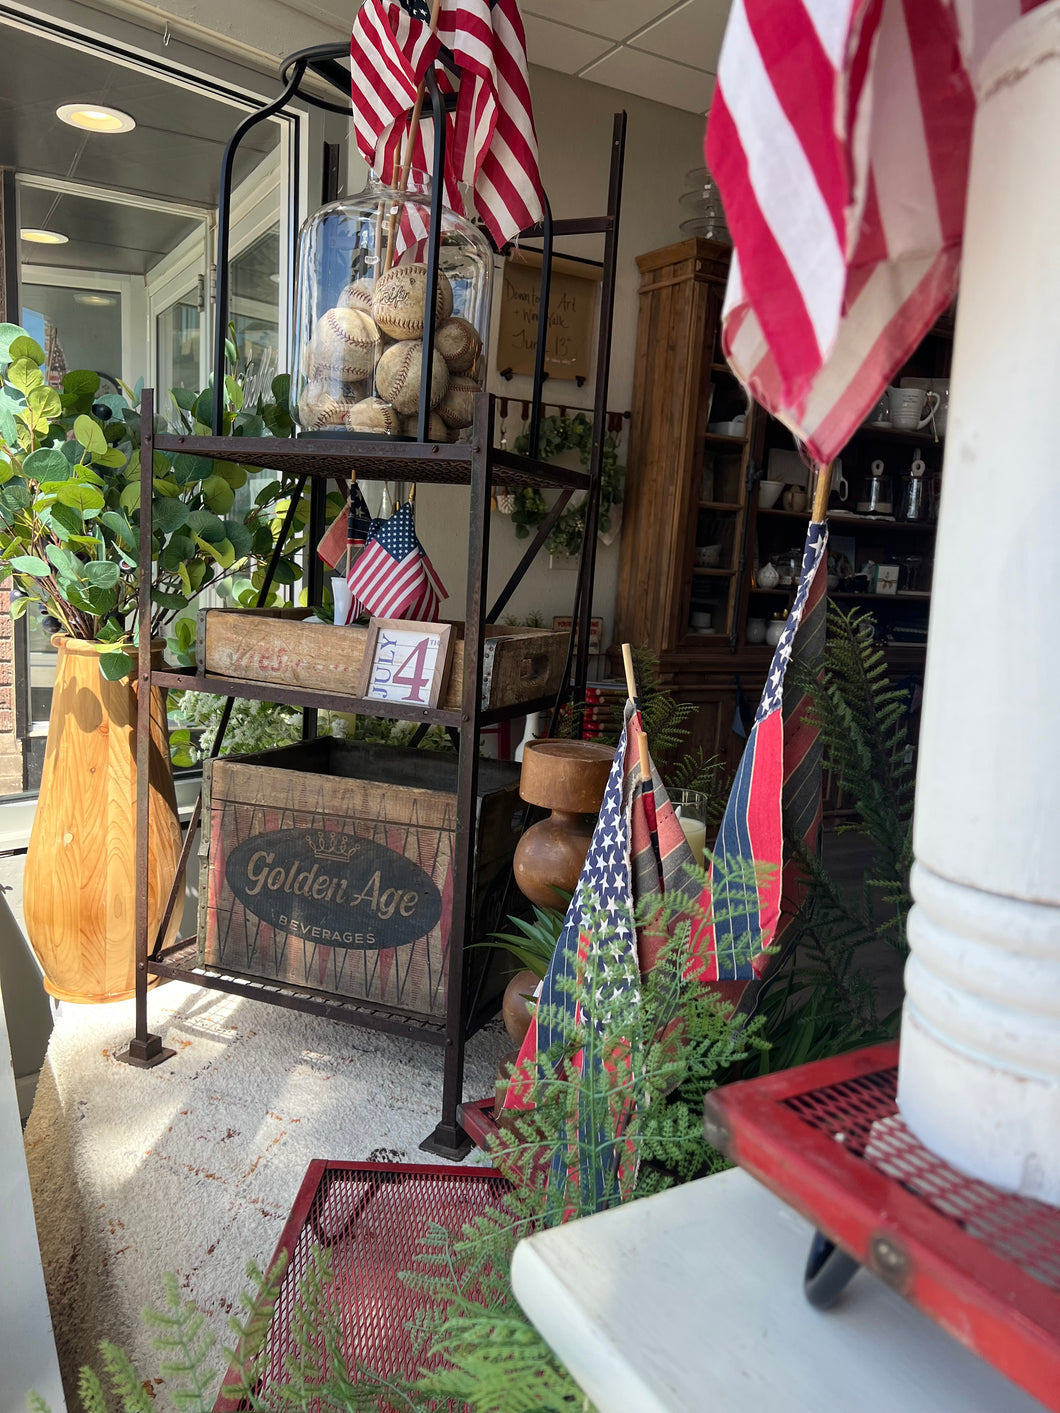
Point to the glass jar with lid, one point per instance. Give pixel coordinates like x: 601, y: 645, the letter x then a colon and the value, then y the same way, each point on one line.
x: 359, y: 318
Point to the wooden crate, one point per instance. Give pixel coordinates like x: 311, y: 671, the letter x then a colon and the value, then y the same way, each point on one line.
x: 330, y: 865
x: 276, y: 645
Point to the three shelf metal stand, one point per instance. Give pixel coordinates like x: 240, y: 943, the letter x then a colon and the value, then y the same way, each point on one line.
x: 308, y: 461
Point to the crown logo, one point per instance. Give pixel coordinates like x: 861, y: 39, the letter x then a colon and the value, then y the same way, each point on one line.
x: 338, y: 847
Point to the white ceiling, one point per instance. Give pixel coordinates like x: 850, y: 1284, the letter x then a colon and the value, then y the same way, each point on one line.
x: 666, y: 50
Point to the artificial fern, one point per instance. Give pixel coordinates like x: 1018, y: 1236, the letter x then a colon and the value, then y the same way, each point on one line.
x: 821, y: 1003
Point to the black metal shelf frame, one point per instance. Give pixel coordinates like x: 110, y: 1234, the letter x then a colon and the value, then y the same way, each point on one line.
x: 479, y: 465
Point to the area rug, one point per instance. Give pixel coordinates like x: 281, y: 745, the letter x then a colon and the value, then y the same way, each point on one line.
x: 191, y: 1167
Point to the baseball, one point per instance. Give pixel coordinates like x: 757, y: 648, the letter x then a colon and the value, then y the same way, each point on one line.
x: 437, y: 431
x: 457, y: 407
x: 397, y: 376
x: 317, y: 407
x: 458, y: 343
x: 356, y: 296
x: 345, y: 341
x: 399, y: 300
x: 371, y: 414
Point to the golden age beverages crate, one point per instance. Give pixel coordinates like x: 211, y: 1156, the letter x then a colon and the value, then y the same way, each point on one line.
x: 330, y: 865
x: 277, y: 645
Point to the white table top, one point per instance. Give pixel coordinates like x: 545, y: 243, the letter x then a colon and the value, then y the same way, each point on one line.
x: 693, y: 1300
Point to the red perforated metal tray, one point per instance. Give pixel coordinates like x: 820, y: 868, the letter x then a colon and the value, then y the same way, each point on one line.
x: 984, y: 1264
x: 371, y: 1218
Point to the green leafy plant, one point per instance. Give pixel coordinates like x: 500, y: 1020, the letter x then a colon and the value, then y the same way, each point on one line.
x: 559, y: 434
x: 70, y: 503
x: 534, y: 940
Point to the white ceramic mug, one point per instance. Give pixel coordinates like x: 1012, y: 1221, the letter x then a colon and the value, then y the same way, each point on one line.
x: 906, y: 405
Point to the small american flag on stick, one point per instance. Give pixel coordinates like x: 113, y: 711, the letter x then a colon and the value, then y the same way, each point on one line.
x: 393, y: 576
x: 492, y: 146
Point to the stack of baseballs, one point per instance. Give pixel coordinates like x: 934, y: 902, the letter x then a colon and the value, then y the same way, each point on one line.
x: 375, y: 334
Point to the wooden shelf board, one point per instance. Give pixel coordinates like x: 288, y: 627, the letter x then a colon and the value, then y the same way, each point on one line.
x: 714, y: 573
x: 923, y: 435
x: 717, y: 439
x: 720, y: 505
x: 920, y: 595
x: 850, y: 517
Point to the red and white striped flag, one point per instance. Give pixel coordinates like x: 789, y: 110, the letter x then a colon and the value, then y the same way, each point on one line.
x: 492, y: 146
x: 839, y: 136
x: 393, y: 578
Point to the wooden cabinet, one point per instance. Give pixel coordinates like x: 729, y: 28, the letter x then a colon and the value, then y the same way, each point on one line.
x: 694, y: 533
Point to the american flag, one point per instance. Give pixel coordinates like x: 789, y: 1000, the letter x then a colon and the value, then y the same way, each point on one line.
x: 492, y: 145
x: 840, y: 137
x: 347, y: 532
x: 393, y: 577
x: 638, y: 852
x: 778, y: 774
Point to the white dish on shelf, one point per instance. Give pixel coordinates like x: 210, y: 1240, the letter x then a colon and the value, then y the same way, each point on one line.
x: 769, y: 494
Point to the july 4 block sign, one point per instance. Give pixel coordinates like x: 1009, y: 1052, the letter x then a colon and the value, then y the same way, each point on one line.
x: 406, y: 662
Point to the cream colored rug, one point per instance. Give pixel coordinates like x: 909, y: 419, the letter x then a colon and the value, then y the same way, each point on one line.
x: 192, y: 1167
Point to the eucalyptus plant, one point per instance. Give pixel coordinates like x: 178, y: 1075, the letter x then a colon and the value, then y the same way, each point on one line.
x: 70, y: 504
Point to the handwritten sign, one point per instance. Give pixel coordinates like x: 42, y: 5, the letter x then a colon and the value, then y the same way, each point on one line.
x: 571, y: 316
x: 405, y: 662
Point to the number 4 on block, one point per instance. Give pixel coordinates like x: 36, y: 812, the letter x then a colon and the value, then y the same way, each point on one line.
x: 406, y: 662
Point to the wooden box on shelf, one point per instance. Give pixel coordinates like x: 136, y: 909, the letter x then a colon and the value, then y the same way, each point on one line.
x: 277, y: 645
x: 329, y: 865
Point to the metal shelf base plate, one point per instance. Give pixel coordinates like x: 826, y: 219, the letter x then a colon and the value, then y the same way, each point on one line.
x: 145, y: 1054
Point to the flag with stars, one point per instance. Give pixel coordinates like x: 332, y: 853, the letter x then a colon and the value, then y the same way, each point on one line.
x: 780, y: 763
x: 638, y: 852
x: 393, y: 576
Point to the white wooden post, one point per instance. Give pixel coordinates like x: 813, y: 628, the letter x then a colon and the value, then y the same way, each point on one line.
x: 980, y: 1053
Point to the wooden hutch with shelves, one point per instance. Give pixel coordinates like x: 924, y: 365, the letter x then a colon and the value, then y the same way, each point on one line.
x: 694, y: 534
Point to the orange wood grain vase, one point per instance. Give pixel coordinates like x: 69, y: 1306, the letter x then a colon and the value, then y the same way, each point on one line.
x: 80, y: 879
x: 569, y: 778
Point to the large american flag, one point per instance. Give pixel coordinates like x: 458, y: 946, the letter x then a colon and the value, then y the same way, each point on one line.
x: 491, y: 146
x: 840, y: 135
x: 393, y: 576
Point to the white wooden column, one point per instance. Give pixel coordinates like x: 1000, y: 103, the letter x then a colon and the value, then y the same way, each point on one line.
x: 980, y: 1053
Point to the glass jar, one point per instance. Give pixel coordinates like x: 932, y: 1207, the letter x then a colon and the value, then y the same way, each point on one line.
x: 359, y: 314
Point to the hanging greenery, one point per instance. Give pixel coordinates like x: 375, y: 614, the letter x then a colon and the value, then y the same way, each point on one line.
x: 560, y: 434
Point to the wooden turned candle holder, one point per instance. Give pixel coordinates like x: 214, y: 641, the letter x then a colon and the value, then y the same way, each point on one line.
x: 568, y: 778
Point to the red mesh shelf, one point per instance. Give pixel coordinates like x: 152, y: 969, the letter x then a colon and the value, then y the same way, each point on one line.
x: 984, y: 1264
x: 371, y: 1218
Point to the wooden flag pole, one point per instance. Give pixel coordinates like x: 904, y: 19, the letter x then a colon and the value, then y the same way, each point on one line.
x: 631, y: 689
x: 822, y: 491
x: 402, y: 178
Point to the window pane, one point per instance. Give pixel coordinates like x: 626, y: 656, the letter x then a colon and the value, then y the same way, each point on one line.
x: 178, y: 330
x: 77, y: 328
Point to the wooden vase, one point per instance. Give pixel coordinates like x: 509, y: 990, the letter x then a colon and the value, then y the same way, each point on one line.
x: 569, y: 778
x: 79, y: 885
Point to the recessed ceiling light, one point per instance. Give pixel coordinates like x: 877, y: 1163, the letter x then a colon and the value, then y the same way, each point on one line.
x: 95, y: 118
x: 97, y: 301
x: 39, y: 237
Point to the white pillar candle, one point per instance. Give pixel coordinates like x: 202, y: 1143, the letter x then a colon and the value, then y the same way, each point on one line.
x: 980, y: 1055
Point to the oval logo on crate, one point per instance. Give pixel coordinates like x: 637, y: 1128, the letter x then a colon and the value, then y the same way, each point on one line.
x: 334, y: 889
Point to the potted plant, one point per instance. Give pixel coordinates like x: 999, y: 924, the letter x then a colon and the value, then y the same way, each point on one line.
x: 69, y: 539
